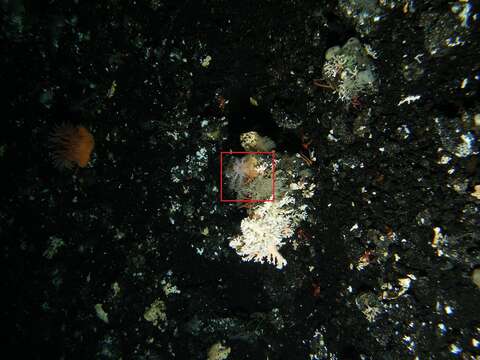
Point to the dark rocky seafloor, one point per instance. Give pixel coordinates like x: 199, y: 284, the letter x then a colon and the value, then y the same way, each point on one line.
x: 129, y: 257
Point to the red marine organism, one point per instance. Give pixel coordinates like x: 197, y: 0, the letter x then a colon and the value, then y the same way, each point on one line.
x: 71, y: 145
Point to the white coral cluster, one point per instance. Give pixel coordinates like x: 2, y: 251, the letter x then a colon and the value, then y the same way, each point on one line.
x: 267, y: 228
x: 349, y: 70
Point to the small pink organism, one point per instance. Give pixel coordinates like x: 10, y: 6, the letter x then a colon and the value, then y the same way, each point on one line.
x: 241, y: 171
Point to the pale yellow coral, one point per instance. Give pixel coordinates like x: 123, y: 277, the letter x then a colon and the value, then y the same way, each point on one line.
x: 253, y: 141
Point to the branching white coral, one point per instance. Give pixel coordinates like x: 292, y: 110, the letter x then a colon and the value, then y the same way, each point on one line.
x: 335, y: 66
x: 265, y: 231
x: 349, y: 70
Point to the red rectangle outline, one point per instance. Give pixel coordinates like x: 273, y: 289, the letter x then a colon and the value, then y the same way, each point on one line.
x: 247, y: 153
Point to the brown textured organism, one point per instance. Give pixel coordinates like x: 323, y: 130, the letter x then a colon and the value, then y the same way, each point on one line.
x: 71, y: 145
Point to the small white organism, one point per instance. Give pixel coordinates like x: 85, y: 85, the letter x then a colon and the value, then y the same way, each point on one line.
x: 265, y: 231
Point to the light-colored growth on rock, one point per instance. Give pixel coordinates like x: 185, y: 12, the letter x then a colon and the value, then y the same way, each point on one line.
x: 476, y: 193
x: 476, y: 277
x: 264, y: 232
x: 218, y: 352
x: 101, y: 314
x: 156, y: 313
x: 253, y: 141
x: 349, y: 70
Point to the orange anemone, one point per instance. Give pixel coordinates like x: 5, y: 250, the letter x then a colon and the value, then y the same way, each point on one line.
x: 72, y: 145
